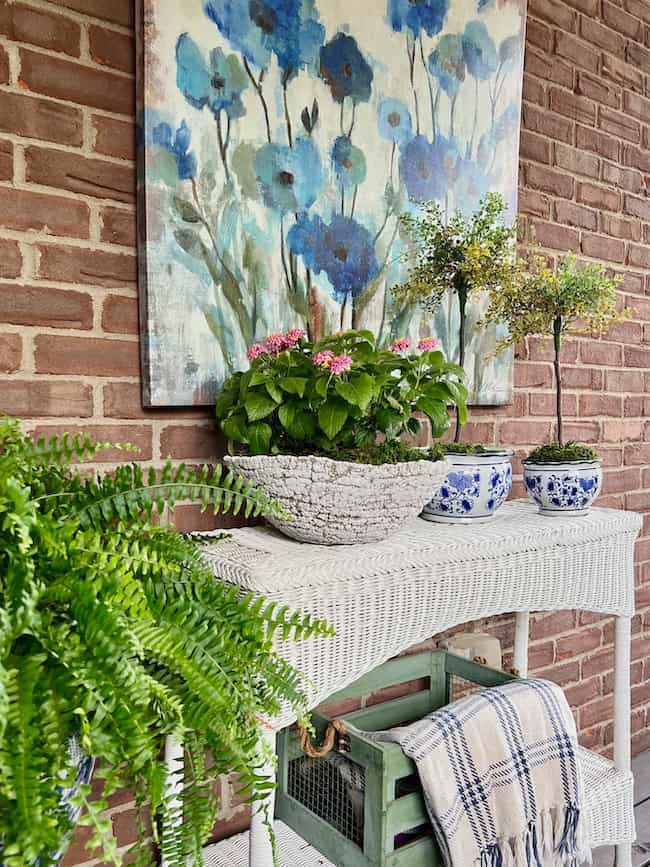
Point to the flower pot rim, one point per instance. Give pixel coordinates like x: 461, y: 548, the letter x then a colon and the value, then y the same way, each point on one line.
x: 487, y: 453
x: 594, y: 462
x: 232, y: 458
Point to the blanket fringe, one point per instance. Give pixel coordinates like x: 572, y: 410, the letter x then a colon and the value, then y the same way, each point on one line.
x: 554, y: 839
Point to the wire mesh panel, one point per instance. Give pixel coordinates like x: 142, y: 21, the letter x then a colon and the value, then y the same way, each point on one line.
x: 332, y: 788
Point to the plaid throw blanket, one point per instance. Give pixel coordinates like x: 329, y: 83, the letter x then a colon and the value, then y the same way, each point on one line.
x: 500, y: 777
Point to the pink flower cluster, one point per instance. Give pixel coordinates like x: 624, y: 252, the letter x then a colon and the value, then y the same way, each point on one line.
x: 276, y: 343
x: 427, y: 344
x: 401, y: 345
x: 336, y: 364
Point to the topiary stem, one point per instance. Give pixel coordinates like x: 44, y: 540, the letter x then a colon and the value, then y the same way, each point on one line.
x: 462, y: 304
x: 557, y: 342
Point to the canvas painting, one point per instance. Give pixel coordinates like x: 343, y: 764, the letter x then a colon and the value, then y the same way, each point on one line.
x: 281, y: 140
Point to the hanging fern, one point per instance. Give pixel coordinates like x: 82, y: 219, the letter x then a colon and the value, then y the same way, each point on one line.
x: 113, y: 629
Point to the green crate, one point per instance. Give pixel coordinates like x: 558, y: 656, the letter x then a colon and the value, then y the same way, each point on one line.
x: 362, y: 806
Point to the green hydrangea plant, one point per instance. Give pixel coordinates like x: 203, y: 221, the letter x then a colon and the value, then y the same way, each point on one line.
x: 114, y: 630
x: 336, y: 396
x: 553, y: 302
x: 469, y: 256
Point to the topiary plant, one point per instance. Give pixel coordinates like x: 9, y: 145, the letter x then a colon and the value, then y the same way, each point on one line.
x: 114, y: 631
x: 552, y: 303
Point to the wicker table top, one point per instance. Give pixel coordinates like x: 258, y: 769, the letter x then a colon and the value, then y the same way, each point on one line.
x: 384, y: 597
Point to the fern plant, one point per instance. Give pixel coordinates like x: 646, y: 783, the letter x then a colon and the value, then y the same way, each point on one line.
x: 114, y: 630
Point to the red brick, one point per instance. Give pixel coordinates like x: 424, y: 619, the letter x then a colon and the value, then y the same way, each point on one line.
x: 596, y: 352
x: 547, y: 123
x: 188, y: 442
x: 46, y: 398
x: 582, y: 377
x: 548, y: 68
x: 534, y: 147
x: 136, y: 435
x: 596, y: 88
x: 597, y: 663
x: 74, y: 82
x: 120, y: 315
x: 549, y: 181
x: 583, y: 692
x: 6, y: 161
x: 539, y: 34
x: 42, y: 305
x: 570, y: 214
x: 571, y: 105
x: 114, y: 138
x: 524, y: 432
x: 597, y: 142
x: 621, y: 21
x: 629, y: 230
x: 576, y: 161
x: 636, y: 105
x: 596, y: 712
x: 189, y: 519
x: 4, y: 66
x: 124, y: 400
x: 90, y: 356
x: 11, y: 352
x: 638, y: 8
x: 562, y: 674
x: 533, y: 90
x: 637, y: 207
x: 600, y: 404
x: 625, y: 380
x: 577, y: 643
x: 543, y: 403
x: 599, y: 197
x: 619, y: 124
x: 541, y: 349
x: 554, y: 12
x: 575, y: 50
x: 540, y: 655
x: 599, y: 247
x: 604, y: 37
x: 636, y: 357
x: 637, y: 157
x: 77, y: 174
x: 92, y: 267
x: 11, y: 260
x: 118, y: 226
x: 114, y: 11
x: 23, y: 210
x: 638, y: 58
x: 533, y: 375
x: 621, y: 481
x: 639, y: 256
x: 554, y: 236
x: 530, y: 202
x: 40, y: 118
x: 638, y: 501
x: 636, y: 455
x: 583, y: 431
x: 111, y: 48
x: 629, y: 179
x: 38, y: 27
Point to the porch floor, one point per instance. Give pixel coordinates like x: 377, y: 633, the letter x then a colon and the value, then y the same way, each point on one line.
x: 604, y: 857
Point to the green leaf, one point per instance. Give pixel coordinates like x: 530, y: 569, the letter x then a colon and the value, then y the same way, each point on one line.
x: 436, y: 410
x: 347, y: 391
x: 186, y: 209
x: 274, y: 391
x: 389, y: 422
x: 293, y: 384
x: 365, y: 387
x: 321, y: 386
x: 259, y: 437
x: 258, y: 405
x: 332, y: 416
x: 235, y: 428
x: 286, y: 414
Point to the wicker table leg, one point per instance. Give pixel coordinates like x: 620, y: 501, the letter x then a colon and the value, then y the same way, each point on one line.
x: 520, y: 657
x: 622, y: 711
x: 260, y: 853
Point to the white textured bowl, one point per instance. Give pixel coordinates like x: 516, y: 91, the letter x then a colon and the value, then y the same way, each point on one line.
x: 563, y: 489
x: 338, y: 502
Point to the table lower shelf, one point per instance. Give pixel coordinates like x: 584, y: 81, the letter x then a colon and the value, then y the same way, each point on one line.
x: 609, y: 814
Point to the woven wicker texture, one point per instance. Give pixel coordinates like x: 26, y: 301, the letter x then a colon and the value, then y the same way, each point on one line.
x: 292, y: 851
x: 385, y: 597
x: 341, y: 503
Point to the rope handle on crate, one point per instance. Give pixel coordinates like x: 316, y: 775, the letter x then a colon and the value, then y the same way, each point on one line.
x: 335, y: 733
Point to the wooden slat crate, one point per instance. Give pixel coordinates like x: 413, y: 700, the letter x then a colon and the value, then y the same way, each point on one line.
x: 363, y: 807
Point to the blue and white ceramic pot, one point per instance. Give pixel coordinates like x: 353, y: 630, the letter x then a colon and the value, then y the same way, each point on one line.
x: 563, y: 489
x: 475, y: 487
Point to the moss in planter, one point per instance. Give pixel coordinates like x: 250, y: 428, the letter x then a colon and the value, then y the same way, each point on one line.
x: 557, y: 454
x: 392, y: 452
x: 465, y: 449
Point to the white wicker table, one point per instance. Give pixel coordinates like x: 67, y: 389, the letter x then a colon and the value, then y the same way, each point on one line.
x: 385, y: 597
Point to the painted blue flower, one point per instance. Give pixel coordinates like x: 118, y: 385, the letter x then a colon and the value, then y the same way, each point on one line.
x: 349, y: 162
x: 417, y: 15
x: 394, y: 121
x: 471, y: 185
x: 178, y: 144
x: 290, y: 29
x: 289, y: 179
x: 233, y: 19
x: 217, y: 84
x: 447, y: 63
x: 479, y: 50
x: 427, y: 169
x: 343, y: 249
x: 345, y: 70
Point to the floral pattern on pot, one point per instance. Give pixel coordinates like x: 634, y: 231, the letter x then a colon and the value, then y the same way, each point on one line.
x: 562, y: 488
x: 473, y: 490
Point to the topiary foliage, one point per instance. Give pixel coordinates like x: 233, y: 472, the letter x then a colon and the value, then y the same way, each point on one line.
x: 114, y: 629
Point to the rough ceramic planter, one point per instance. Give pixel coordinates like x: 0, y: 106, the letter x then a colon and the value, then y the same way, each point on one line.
x: 338, y: 502
x: 473, y: 490
x: 563, y: 489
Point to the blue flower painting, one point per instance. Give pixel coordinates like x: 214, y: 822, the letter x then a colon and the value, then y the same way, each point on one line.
x: 281, y: 142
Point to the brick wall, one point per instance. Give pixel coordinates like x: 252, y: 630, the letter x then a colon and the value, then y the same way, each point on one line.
x: 68, y: 338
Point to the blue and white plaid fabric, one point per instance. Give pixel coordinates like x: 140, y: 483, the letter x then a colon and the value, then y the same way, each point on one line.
x: 500, y: 777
